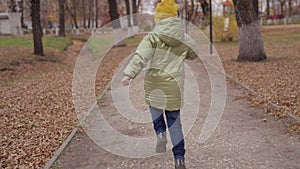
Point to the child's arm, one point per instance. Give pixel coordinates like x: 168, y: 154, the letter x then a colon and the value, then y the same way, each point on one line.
x: 192, y: 48
x: 142, y: 55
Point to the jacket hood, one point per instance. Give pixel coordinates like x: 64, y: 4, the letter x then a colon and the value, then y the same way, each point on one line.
x: 170, y: 31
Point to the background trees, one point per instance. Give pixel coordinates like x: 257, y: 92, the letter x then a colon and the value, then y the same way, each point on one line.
x: 72, y: 8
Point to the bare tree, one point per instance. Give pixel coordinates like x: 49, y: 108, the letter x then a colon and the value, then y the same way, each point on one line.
x: 37, y: 28
x: 96, y: 13
x: 127, y: 4
x: 204, y: 6
x: 135, y: 10
x: 268, y: 9
x: 290, y: 8
x: 83, y: 13
x: 251, y: 47
x: 62, y: 31
x: 72, y: 8
x: 114, y: 17
x: 282, y: 3
x: 22, y: 13
x: 90, y: 13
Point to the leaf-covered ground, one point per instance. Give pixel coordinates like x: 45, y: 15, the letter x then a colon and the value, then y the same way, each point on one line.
x: 37, y: 113
x: 276, y: 79
x: 36, y: 110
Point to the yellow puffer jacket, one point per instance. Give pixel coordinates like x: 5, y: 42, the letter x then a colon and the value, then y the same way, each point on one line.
x: 162, y: 52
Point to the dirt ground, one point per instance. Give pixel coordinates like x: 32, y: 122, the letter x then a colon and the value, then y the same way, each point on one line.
x: 246, y: 138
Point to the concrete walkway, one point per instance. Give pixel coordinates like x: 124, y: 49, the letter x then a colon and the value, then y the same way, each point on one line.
x: 245, y: 139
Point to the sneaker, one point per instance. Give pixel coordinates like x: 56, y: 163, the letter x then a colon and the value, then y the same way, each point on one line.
x: 161, y: 143
x: 179, y: 164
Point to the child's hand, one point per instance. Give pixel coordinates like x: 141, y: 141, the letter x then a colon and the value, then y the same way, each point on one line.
x: 126, y: 80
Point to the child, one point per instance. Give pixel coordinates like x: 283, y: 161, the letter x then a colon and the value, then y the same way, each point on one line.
x: 162, y: 52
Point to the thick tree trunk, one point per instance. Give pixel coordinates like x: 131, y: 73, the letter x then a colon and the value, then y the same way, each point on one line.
x: 251, y: 47
x: 62, y: 31
x: 37, y: 28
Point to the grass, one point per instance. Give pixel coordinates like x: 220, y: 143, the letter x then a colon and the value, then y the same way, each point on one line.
x: 280, y: 38
x: 228, y: 43
x: 98, y: 45
x: 60, y: 43
x: 280, y: 22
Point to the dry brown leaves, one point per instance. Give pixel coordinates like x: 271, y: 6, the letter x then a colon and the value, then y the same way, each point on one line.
x: 36, y: 109
x: 278, y: 78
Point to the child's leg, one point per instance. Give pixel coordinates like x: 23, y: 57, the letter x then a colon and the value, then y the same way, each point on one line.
x: 175, y: 129
x: 158, y: 120
x: 160, y: 129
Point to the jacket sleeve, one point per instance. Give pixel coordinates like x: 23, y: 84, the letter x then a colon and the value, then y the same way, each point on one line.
x: 191, y: 55
x: 141, y: 57
x: 191, y: 48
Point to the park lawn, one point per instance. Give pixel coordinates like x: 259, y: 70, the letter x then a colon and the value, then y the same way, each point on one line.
x: 60, y: 43
x: 99, y: 45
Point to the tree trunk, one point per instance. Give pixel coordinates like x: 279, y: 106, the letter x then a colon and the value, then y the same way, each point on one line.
x: 127, y: 4
x: 36, y: 27
x: 62, y: 31
x: 22, y: 14
x: 290, y: 8
x: 268, y: 9
x: 115, y: 22
x: 134, y: 12
x: 83, y: 13
x: 90, y: 14
x: 251, y: 47
x: 75, y: 17
x: 204, y: 6
x: 114, y: 15
x: 96, y: 12
x: 281, y: 8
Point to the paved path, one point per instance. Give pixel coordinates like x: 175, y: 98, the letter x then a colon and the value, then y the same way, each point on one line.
x: 244, y: 139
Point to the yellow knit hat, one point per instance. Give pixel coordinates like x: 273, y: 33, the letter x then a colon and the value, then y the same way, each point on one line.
x: 165, y: 9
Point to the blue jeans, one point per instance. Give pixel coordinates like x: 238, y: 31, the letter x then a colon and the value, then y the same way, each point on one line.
x: 175, y: 129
